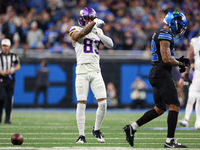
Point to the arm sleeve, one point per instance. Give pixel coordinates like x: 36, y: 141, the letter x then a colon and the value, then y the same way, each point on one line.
x: 107, y: 41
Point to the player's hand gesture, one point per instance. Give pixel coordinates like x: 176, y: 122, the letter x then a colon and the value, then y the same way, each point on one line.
x: 97, y: 30
x: 185, y: 61
x: 99, y: 22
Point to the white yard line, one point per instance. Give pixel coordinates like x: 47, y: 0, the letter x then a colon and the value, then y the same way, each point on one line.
x: 47, y: 143
x: 84, y: 148
x: 95, y: 138
x: 106, y: 133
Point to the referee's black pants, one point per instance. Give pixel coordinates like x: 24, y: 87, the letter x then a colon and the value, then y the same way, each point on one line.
x: 6, y: 97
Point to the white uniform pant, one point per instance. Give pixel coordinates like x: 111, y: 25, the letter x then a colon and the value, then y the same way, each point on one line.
x: 193, y: 97
x: 96, y: 82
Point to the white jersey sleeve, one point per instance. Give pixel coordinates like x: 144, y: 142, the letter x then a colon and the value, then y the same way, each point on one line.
x: 73, y: 29
x: 195, y: 42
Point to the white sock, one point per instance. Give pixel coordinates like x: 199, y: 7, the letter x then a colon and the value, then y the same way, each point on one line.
x: 189, y: 106
x: 100, y: 114
x: 134, y: 126
x: 197, y: 110
x: 169, y: 140
x: 80, y: 117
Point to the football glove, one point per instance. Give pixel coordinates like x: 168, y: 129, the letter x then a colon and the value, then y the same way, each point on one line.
x: 181, y: 67
x: 97, y: 30
x: 185, y: 61
x: 99, y: 21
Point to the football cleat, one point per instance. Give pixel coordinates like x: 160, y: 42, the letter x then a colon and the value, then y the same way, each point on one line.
x: 129, y: 134
x: 81, y: 139
x: 174, y: 144
x: 7, y: 122
x: 183, y: 123
x: 98, y: 135
x: 197, y: 126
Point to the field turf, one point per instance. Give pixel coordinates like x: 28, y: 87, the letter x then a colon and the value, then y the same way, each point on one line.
x: 51, y: 130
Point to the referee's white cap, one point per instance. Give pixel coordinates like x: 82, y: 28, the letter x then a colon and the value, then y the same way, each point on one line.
x: 6, y: 42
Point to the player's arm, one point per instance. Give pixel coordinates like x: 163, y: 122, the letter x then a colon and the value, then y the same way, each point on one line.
x: 107, y: 41
x: 86, y: 30
x: 166, y: 54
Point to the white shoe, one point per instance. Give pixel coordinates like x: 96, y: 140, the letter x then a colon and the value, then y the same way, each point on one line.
x: 183, y: 123
x: 197, y: 125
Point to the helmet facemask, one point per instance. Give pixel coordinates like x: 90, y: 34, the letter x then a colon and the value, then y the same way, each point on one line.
x: 176, y: 27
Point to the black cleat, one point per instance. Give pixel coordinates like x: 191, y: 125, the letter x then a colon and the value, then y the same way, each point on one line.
x: 98, y: 135
x: 174, y: 144
x: 81, y: 139
x: 129, y: 134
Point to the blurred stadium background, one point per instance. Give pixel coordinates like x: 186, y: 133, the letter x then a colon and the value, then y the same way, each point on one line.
x: 39, y: 30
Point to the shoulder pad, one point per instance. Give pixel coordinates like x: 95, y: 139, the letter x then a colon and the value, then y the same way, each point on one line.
x: 165, y: 35
x: 73, y: 29
x: 194, y: 40
x: 165, y: 31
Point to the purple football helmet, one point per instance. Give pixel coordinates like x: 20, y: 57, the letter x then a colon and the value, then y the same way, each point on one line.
x: 85, y: 14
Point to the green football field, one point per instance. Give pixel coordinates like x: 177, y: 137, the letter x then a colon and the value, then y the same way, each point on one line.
x: 58, y: 130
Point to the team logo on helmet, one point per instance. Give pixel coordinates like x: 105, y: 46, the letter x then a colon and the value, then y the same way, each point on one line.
x: 81, y: 13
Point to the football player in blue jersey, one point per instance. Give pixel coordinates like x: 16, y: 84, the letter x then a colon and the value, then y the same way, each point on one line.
x: 164, y: 89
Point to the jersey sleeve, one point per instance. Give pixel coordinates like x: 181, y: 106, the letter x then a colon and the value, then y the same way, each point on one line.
x: 73, y: 29
x: 195, y: 44
x: 192, y: 41
x: 17, y: 61
x: 164, y: 35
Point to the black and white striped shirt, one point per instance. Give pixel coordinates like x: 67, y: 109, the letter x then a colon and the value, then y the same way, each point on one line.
x: 8, y: 61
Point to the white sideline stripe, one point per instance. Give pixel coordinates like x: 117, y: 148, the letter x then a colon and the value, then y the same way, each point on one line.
x: 86, y: 148
x: 106, y: 133
x: 95, y: 138
x: 83, y: 148
x: 94, y: 143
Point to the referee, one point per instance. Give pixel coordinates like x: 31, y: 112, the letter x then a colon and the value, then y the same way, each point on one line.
x: 9, y: 63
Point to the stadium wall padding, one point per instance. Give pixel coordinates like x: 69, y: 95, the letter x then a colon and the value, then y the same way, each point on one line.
x: 61, y: 91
